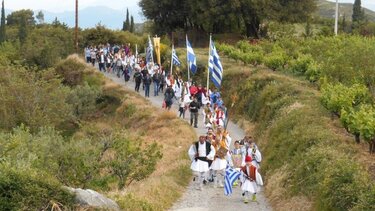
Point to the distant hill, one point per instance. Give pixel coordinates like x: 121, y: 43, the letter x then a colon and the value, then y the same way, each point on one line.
x: 327, y: 9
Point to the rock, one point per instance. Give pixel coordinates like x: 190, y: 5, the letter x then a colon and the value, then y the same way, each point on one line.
x: 90, y: 198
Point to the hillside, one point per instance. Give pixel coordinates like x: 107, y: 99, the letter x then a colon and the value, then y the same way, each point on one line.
x: 326, y: 9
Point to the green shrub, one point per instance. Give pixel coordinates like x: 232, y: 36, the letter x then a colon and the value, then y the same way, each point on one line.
x: 83, y: 100
x: 277, y: 59
x: 30, y: 190
x: 71, y: 70
x: 300, y: 65
x: 35, y: 99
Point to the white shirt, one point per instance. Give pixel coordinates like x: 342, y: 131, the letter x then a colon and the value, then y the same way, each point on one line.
x: 202, y: 149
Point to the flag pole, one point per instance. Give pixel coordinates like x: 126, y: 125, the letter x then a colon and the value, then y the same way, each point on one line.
x: 187, y: 59
x: 208, y: 69
x: 136, y: 54
x: 172, y: 60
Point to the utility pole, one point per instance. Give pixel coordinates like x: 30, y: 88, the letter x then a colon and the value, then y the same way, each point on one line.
x: 336, y: 16
x: 76, y: 29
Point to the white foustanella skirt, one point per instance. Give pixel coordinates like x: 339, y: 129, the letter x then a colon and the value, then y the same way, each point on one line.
x: 249, y: 186
x: 199, y: 166
x: 219, y: 164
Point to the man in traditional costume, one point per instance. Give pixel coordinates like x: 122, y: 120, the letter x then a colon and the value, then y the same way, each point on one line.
x: 250, y: 179
x: 201, y: 153
x: 222, y: 156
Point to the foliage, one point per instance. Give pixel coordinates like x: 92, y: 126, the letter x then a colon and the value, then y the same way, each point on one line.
x: 281, y: 110
x: 2, y: 26
x: 83, y: 98
x: 131, y: 162
x: 71, y: 70
x: 46, y: 45
x: 21, y: 17
x: 219, y: 16
x: 339, y: 97
x: 35, y: 99
x: 276, y: 60
x: 28, y: 190
x: 360, y: 121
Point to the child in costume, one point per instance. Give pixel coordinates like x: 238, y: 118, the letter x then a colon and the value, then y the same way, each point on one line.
x: 250, y: 179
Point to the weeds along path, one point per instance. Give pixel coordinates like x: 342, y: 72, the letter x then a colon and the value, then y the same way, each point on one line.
x: 210, y: 198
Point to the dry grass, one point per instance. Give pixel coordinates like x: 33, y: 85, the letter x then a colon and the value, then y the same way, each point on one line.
x: 143, y: 121
x: 276, y: 193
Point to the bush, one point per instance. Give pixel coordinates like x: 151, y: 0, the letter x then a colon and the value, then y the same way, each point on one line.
x: 275, y: 61
x: 28, y: 190
x: 300, y: 65
x: 33, y: 99
x: 83, y: 99
x: 71, y: 70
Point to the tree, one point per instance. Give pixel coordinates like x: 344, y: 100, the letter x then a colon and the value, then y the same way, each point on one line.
x: 358, y: 14
x: 132, y: 26
x: 2, y: 26
x: 126, y: 25
x: 21, y: 17
x: 220, y: 16
x: 40, y: 17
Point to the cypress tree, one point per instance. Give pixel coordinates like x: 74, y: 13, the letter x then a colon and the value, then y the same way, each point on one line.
x: 2, y: 26
x: 127, y: 21
x: 123, y: 26
x: 132, y: 27
x: 357, y: 12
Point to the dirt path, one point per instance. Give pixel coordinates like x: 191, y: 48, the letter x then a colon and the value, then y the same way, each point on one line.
x: 210, y: 198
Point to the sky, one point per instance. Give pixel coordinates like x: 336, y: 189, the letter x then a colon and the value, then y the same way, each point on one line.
x: 370, y: 4
x: 66, y: 5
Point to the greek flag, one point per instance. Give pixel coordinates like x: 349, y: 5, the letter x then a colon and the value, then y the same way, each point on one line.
x: 191, y: 58
x: 149, y: 52
x: 175, y: 58
x: 215, y: 67
x: 231, y: 175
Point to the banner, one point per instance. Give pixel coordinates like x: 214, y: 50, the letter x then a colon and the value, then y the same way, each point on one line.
x: 157, y: 49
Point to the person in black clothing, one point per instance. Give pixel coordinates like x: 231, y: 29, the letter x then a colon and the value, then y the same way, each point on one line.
x: 194, y: 107
x: 147, y: 83
x: 144, y: 73
x: 138, y: 80
x: 156, y: 81
x: 168, y: 97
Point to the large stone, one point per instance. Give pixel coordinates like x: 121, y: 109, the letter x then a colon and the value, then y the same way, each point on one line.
x: 90, y: 198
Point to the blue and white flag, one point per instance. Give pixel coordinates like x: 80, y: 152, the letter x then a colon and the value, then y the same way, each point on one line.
x: 149, y: 52
x: 175, y: 57
x: 215, y: 67
x: 231, y: 176
x: 191, y: 58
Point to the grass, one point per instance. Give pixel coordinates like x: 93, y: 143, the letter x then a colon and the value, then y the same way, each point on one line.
x: 126, y: 111
x: 305, y: 151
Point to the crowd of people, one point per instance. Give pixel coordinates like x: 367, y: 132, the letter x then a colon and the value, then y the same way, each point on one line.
x: 214, y: 152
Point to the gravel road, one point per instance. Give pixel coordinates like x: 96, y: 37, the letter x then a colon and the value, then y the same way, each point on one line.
x: 209, y: 198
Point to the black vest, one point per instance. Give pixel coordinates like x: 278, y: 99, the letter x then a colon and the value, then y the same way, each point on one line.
x: 208, y: 147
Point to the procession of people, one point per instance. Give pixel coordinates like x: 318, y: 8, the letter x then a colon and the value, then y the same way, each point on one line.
x: 214, y: 153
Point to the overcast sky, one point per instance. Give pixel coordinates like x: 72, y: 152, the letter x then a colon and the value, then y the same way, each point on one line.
x: 68, y: 5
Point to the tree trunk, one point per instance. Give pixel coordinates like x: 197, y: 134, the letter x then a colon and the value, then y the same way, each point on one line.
x: 357, y: 137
